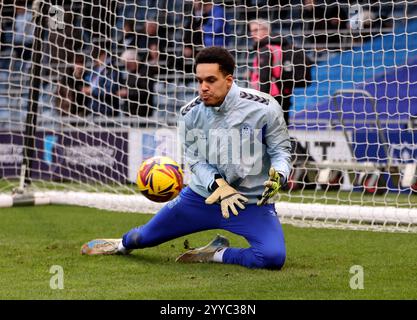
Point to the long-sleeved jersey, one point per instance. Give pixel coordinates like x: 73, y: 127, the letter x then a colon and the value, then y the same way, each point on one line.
x: 240, y: 140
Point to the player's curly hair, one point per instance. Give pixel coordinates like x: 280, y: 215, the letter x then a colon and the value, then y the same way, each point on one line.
x: 216, y: 55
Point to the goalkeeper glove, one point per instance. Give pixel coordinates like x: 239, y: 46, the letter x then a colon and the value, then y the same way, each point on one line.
x: 228, y: 198
x: 272, y: 186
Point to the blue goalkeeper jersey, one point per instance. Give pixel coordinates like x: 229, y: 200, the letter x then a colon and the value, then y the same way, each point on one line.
x: 240, y: 140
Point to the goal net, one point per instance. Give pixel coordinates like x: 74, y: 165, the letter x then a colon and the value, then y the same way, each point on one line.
x: 89, y: 89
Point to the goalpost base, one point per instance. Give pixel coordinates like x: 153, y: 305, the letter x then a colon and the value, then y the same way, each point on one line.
x: 355, y: 217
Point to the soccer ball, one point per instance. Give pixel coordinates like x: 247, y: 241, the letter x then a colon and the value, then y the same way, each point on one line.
x: 160, y: 179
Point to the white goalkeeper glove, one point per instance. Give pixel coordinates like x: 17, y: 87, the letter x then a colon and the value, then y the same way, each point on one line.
x: 228, y: 198
x: 272, y: 186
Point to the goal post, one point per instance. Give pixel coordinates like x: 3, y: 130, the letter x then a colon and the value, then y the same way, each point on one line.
x: 91, y: 88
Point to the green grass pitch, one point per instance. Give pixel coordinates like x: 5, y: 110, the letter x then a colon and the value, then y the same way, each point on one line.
x: 33, y: 239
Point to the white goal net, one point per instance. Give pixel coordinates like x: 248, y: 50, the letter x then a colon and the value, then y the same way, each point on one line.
x: 89, y: 89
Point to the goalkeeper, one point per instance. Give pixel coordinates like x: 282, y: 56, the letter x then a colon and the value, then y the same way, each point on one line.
x: 222, y: 194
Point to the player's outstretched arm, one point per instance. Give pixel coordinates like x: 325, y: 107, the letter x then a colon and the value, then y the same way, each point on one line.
x: 227, y: 196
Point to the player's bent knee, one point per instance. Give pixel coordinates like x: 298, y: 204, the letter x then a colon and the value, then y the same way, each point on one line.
x: 273, y: 259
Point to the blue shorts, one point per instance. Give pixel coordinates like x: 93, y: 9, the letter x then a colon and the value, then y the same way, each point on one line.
x: 188, y: 213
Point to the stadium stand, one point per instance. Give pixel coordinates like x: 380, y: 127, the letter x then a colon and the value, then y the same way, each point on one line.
x: 365, y: 66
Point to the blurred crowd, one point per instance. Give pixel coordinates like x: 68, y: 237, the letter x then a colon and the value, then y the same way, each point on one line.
x: 108, y: 58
